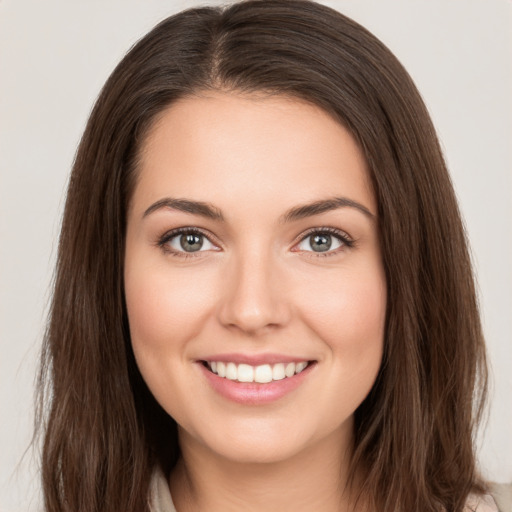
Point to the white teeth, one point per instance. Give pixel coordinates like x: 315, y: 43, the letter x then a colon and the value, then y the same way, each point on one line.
x: 278, y: 372
x: 221, y: 369
x: 245, y: 373
x: 231, y: 371
x: 261, y: 374
x: 300, y: 366
x: 290, y: 370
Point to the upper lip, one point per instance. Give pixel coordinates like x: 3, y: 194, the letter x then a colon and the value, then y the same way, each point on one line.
x: 254, y: 359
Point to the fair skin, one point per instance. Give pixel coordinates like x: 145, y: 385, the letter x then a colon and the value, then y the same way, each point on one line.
x: 257, y: 283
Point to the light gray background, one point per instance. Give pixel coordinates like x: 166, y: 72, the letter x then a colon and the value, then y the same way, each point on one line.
x: 55, y: 56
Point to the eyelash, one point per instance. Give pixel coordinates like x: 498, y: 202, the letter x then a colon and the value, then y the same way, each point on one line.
x: 346, y: 241
x: 167, y: 237
x: 343, y: 237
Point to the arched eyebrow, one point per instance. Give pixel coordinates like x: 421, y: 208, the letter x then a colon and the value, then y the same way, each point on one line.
x: 322, y: 206
x: 296, y: 213
x: 186, y: 205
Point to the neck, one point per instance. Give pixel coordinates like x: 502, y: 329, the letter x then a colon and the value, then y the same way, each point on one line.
x: 315, y: 479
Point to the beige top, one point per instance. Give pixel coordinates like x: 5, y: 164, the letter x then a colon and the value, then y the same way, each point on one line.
x: 159, y: 494
x: 161, y: 500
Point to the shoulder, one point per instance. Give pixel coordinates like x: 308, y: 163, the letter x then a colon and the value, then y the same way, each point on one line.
x: 480, y: 503
x: 159, y: 495
x: 502, y: 494
x: 499, y: 500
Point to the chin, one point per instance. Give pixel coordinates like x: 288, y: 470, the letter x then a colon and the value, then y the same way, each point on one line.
x: 258, y: 451
x: 263, y: 441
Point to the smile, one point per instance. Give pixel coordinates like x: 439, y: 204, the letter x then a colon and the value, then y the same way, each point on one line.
x: 261, y: 374
x: 262, y: 382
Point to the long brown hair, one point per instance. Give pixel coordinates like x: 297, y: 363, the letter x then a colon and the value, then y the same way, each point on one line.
x: 103, y: 431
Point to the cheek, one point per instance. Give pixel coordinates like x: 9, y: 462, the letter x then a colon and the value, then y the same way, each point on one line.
x: 351, y: 321
x: 165, y: 307
x: 352, y: 303
x: 349, y: 316
x: 166, y: 312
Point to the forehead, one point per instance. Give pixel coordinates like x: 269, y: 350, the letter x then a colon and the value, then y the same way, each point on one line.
x: 221, y: 147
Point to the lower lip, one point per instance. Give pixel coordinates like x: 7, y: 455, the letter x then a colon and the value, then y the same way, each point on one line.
x: 252, y: 393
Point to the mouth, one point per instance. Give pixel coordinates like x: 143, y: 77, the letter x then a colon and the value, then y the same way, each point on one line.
x: 255, y: 384
x: 261, y: 374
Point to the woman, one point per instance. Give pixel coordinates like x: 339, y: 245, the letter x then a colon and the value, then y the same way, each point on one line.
x: 263, y: 296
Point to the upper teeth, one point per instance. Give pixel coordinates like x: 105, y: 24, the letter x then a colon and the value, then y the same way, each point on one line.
x: 261, y: 374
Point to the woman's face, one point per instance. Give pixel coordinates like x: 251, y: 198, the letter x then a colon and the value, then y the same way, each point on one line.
x: 252, y: 252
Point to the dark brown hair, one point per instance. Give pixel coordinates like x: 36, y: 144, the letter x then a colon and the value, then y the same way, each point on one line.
x: 103, y: 431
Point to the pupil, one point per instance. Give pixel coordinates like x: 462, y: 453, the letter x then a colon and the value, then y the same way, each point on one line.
x: 191, y: 243
x: 321, y: 243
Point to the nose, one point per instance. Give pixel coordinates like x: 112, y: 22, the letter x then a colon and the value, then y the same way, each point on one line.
x: 254, y: 298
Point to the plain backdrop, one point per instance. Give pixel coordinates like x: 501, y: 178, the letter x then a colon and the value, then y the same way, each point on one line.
x: 55, y: 56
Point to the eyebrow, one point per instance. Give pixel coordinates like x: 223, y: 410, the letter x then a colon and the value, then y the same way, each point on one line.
x: 186, y: 205
x: 298, y: 212
x: 322, y: 206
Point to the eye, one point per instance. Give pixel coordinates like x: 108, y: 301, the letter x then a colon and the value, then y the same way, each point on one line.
x: 186, y: 240
x: 325, y: 240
